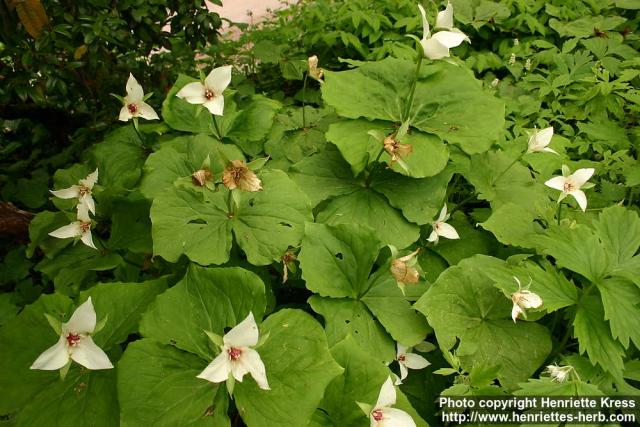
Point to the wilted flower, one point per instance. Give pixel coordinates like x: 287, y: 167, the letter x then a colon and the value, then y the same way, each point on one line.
x: 437, y: 46
x: 201, y: 177
x: 287, y: 262
x: 313, y: 70
x: 397, y: 151
x: 441, y: 228
x: 572, y: 184
x: 134, y: 105
x: 82, y: 191
x: 208, y: 94
x: 238, y: 175
x: 523, y: 299
x: 408, y: 360
x: 559, y: 373
x: 403, y: 269
x: 75, y: 343
x: 236, y: 357
x: 382, y: 414
x: 539, y: 139
x: 80, y: 228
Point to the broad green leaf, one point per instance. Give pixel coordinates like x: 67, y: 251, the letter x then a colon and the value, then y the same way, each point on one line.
x: 547, y: 387
x: 356, y: 145
x: 39, y: 228
x: 594, y: 337
x: 344, y: 317
x: 65, y: 178
x: 619, y: 232
x: 428, y: 156
x: 513, y: 224
x: 299, y: 368
x: 157, y: 385
x: 119, y: 158
x: 252, y: 124
x: 472, y: 241
x: 208, y: 299
x: 131, y: 225
x: 180, y: 115
x: 361, y: 381
x: 336, y: 261
x: 620, y: 299
x: 464, y: 305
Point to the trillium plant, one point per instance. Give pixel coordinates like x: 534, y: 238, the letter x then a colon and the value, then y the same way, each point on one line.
x: 382, y: 413
x: 523, y: 299
x: 208, y: 93
x: 440, y: 228
x: 437, y: 45
x: 572, y: 184
x: 134, y: 105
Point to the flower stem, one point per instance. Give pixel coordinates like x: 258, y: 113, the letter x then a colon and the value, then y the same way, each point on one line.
x: 230, y: 207
x: 134, y: 123
x: 559, y: 213
x: 517, y: 159
x: 217, y: 128
x: 414, y: 83
x: 304, y: 96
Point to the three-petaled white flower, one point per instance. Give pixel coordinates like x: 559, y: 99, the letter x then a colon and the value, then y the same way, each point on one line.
x: 236, y: 357
x: 408, y: 360
x: 539, y: 139
x: 523, y: 299
x: 208, y: 94
x: 437, y: 46
x: 82, y: 191
x: 572, y: 184
x: 441, y: 228
x: 559, y: 374
x: 75, y: 343
x: 382, y: 414
x: 80, y: 228
x: 134, y: 105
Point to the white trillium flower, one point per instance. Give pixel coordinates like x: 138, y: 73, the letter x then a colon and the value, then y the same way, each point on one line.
x: 82, y: 191
x: 237, y: 358
x: 75, y: 343
x: 437, y: 46
x: 80, y: 228
x: 441, y: 228
x: 408, y: 360
x: 559, y: 373
x: 134, y: 105
x: 539, y: 139
x: 523, y: 299
x: 382, y: 414
x: 572, y: 184
x: 208, y: 94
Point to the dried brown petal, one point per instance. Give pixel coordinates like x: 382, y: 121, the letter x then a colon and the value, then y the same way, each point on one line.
x: 403, y: 273
x: 238, y: 175
x: 395, y: 149
x: 314, y: 71
x: 201, y: 177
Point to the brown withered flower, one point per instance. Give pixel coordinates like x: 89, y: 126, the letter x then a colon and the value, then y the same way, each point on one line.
x: 288, y: 257
x: 238, y: 175
x: 403, y: 270
x: 314, y: 71
x: 396, y: 150
x: 201, y: 177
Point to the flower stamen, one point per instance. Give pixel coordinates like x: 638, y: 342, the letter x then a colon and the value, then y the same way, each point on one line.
x: 209, y: 94
x: 133, y: 108
x: 377, y: 415
x: 234, y: 353
x: 73, y: 339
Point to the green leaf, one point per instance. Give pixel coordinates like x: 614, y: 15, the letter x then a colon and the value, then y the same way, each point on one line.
x: 181, y: 115
x: 157, y: 385
x: 464, y: 305
x: 356, y: 145
x: 252, y: 124
x: 472, y: 241
x: 131, y: 225
x: 513, y: 224
x: 208, y: 299
x: 119, y: 158
x: 39, y: 228
x: 361, y: 381
x: 547, y: 387
x: 619, y: 232
x: 620, y: 299
x: 298, y: 385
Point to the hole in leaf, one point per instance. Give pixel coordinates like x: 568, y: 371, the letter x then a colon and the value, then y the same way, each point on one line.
x: 252, y: 202
x: 286, y: 224
x: 197, y: 221
x: 347, y: 321
x: 339, y: 255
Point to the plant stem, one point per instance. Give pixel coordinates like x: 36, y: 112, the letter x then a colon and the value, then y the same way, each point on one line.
x: 134, y: 123
x: 304, y: 96
x: 230, y: 207
x: 217, y: 128
x: 462, y: 203
x: 414, y: 83
x: 367, y: 181
x: 507, y: 169
x: 559, y: 213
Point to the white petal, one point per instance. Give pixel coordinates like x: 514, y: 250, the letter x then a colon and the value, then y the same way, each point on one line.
x: 543, y: 137
x: 433, y: 49
x: 443, y: 214
x: 393, y: 417
x: 515, y: 311
x: 244, y: 334
x: 415, y: 361
x: 387, y: 396
x: 67, y: 193
x: 449, y: 39
x: 403, y: 373
x: 446, y: 230
x: 193, y: 93
x: 215, y: 105
x: 89, y: 355
x: 401, y: 349
x: 581, y: 198
x: 90, y: 180
x: 557, y: 183
x: 71, y: 230
x: 134, y: 90
x: 218, y: 79
x: 147, y: 112
x: 83, y: 212
x: 89, y: 203
x: 83, y: 320
x: 426, y: 32
x: 550, y: 150
x: 445, y: 18
x: 55, y: 357
x: 582, y: 175
x: 218, y: 370
x: 87, y: 239
x: 530, y: 299
x: 433, y: 237
x: 125, y: 114
x: 253, y: 363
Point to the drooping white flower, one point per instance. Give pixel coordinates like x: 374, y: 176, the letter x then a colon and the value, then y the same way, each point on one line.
x: 75, y: 343
x: 539, y: 139
x: 237, y: 358
x: 80, y: 228
x: 441, y: 228
x: 572, y: 184
x: 408, y: 360
x: 82, y: 191
x: 523, y: 299
x: 208, y: 94
x: 134, y: 105
x: 437, y: 46
x: 382, y: 414
x: 559, y: 373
